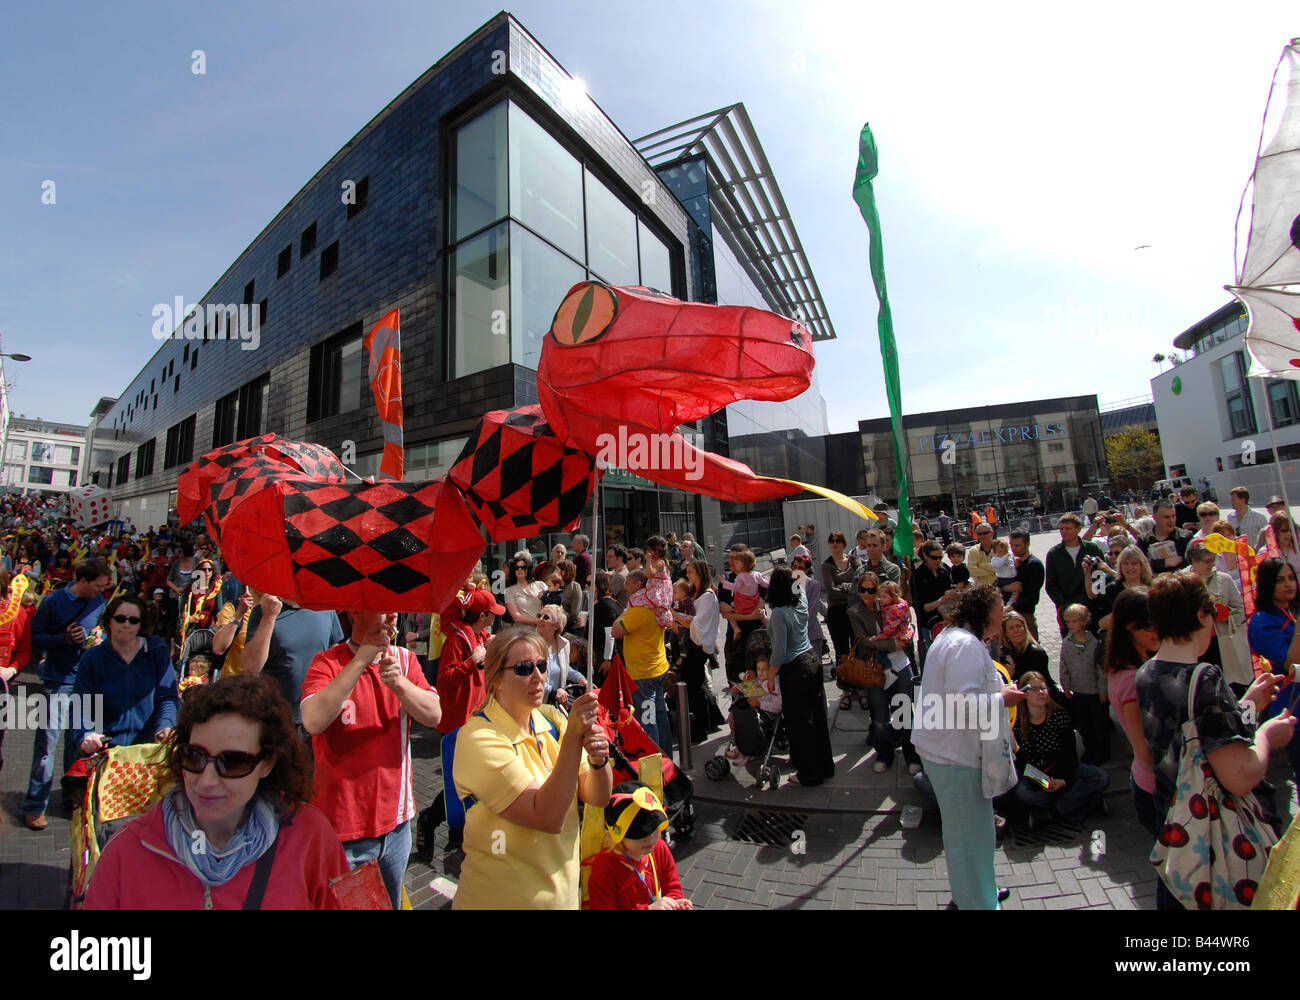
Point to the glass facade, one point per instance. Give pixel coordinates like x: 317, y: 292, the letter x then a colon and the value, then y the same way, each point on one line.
x: 1236, y: 395
x: 530, y: 220
x: 1048, y: 451
x: 1221, y: 332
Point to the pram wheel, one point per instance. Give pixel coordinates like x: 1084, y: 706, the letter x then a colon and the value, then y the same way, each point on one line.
x: 717, y: 768
x: 770, y: 775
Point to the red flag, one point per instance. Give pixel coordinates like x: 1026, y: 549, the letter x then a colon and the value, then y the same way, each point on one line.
x: 384, y: 346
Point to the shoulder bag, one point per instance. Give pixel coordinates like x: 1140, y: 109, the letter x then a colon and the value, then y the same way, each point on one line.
x: 1213, y: 848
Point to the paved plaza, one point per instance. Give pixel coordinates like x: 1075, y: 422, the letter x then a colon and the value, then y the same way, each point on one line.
x: 841, y: 845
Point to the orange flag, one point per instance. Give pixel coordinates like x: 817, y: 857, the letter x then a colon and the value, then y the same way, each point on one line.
x: 383, y: 344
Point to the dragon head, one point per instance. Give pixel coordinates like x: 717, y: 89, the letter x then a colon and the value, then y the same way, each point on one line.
x: 662, y: 362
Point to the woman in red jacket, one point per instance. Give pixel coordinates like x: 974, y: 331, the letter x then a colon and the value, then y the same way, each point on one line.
x: 638, y: 872
x: 235, y: 831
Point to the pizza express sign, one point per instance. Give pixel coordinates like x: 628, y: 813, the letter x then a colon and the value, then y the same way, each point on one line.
x: 991, y: 436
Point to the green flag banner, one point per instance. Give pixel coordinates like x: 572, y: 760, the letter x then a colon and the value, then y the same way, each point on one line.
x: 864, y: 194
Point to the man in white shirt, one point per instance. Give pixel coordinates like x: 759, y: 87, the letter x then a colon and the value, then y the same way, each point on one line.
x: 797, y: 548
x: 1243, y: 519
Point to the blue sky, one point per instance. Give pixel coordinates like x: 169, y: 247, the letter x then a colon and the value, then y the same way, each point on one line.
x: 1025, y: 154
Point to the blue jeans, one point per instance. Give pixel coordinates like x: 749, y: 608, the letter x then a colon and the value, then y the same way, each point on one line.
x: 393, y: 850
x: 43, y: 746
x: 1074, y: 801
x: 650, y: 692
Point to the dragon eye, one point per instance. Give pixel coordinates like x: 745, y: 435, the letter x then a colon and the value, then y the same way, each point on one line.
x: 585, y: 314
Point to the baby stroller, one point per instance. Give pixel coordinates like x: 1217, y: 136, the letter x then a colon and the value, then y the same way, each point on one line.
x: 120, y: 784
x: 628, y: 743
x: 755, y: 731
x: 767, y: 736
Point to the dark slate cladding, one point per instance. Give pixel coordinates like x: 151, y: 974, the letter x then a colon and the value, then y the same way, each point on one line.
x: 390, y: 255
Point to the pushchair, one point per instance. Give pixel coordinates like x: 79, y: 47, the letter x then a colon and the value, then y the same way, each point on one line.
x: 628, y: 743
x: 120, y: 784
x: 767, y: 736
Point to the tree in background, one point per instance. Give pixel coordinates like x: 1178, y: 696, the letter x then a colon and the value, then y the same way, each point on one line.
x: 1135, y: 458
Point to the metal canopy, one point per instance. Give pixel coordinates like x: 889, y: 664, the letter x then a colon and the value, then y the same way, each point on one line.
x: 747, y: 208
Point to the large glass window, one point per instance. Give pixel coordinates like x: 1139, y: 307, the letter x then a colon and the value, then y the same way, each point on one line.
x: 42, y: 474
x: 42, y: 451
x: 429, y: 461
x: 1236, y: 393
x: 542, y: 276
x: 1282, y: 398
x: 334, y: 377
x: 611, y: 236
x: 525, y: 208
x: 480, y: 195
x: 481, y: 313
x: 656, y: 264
x: 545, y: 184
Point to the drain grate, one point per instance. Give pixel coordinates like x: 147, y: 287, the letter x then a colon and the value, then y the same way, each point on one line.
x: 1054, y: 833
x: 769, y: 829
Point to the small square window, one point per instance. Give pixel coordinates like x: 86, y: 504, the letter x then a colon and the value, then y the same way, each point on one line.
x: 362, y: 195
x: 308, y: 241
x: 329, y: 260
x: 194, y: 359
x: 185, y: 359
x: 261, y: 318
x: 176, y: 387
x: 248, y: 294
x: 286, y: 259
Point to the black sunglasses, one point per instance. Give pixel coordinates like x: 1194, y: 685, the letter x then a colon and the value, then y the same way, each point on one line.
x: 231, y: 764
x: 867, y: 590
x: 525, y: 668
x: 126, y: 619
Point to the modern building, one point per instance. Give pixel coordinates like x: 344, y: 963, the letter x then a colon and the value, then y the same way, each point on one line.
x: 472, y: 202
x: 1216, y: 423
x: 42, y: 456
x: 1014, y: 455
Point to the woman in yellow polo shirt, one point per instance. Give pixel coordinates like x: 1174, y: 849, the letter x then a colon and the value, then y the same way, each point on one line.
x: 525, y: 766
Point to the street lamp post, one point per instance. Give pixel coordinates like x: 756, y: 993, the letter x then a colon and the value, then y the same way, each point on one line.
x: 4, y: 413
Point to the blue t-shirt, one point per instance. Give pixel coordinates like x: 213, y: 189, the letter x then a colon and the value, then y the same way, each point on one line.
x: 298, y: 636
x: 1271, y: 633
x: 49, y: 632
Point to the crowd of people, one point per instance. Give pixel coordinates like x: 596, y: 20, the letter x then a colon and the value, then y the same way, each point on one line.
x: 287, y: 730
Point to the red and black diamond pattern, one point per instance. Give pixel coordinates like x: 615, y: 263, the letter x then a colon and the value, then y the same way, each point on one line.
x: 519, y: 479
x: 391, y: 546
x: 211, y: 481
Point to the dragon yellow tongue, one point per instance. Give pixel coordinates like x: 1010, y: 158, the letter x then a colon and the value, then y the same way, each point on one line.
x: 847, y: 502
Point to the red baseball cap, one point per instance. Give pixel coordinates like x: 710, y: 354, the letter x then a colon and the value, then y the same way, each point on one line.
x: 472, y: 603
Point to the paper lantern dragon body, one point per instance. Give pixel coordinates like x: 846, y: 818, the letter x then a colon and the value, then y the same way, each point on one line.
x: 621, y: 369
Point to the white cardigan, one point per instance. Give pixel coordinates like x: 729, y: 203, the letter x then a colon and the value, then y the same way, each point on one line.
x: 704, y: 626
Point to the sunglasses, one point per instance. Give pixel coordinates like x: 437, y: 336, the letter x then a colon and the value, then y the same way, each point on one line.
x: 525, y: 668
x: 1038, y: 689
x: 934, y: 555
x: 867, y: 590
x: 231, y: 764
x: 126, y: 619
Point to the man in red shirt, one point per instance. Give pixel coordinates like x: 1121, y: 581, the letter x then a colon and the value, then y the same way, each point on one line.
x: 358, y: 698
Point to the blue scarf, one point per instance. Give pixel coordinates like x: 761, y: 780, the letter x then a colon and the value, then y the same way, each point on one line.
x: 210, y: 866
